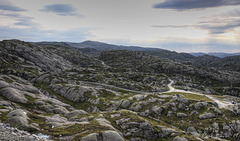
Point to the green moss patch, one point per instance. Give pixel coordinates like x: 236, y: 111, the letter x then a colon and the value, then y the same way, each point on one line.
x: 190, y: 96
x: 92, y: 127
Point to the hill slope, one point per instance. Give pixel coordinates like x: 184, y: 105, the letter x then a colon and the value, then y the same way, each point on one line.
x: 59, y: 91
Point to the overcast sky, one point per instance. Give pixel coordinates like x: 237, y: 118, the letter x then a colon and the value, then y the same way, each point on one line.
x: 180, y: 25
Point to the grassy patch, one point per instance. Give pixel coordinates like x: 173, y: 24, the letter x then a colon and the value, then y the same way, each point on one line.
x: 30, y: 99
x: 37, y: 119
x: 88, y: 94
x: 123, y: 91
x: 106, y: 94
x: 218, y: 96
x: 93, y: 127
x: 190, y: 96
x: 48, y: 114
x: 8, y: 80
x: 3, y: 116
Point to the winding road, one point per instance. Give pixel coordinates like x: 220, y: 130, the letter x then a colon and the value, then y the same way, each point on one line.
x: 221, y: 104
x: 104, y: 64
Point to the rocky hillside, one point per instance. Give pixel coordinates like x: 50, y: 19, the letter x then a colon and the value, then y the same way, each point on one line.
x: 204, y: 61
x: 185, y: 75
x: 212, y: 60
x: 60, y: 93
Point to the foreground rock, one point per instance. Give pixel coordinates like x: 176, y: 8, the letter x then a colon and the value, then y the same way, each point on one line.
x: 179, y: 139
x: 12, y: 134
x: 75, y: 113
x: 19, y: 119
x: 207, y: 116
x: 104, y: 136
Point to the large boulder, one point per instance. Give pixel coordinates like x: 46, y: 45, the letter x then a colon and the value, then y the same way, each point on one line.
x: 216, y: 110
x: 104, y: 136
x: 42, y: 77
x: 166, y: 131
x: 60, y: 110
x: 25, y: 87
x: 48, y: 108
x: 179, y: 98
x: 125, y: 103
x: 17, y: 113
x: 191, y: 129
x: 75, y: 113
x: 13, y: 94
x: 3, y: 84
x: 71, y: 92
x: 19, y: 119
x: 90, y: 137
x: 207, y: 116
x: 179, y: 139
x: 157, y: 110
x: 18, y: 122
x: 181, y: 115
x: 137, y: 106
x: 4, y: 103
x: 111, y: 136
x: 200, y: 105
x: 139, y: 97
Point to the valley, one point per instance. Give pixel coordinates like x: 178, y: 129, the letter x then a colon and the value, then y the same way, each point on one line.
x: 93, y: 91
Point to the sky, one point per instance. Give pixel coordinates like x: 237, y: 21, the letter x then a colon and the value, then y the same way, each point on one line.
x: 177, y: 25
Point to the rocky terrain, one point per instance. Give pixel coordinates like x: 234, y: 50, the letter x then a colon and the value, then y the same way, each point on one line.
x: 58, y: 92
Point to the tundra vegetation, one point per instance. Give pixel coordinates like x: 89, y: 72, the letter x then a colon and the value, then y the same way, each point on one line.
x: 95, y: 92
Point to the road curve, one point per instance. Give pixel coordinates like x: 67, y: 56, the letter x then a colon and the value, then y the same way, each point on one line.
x: 221, y: 104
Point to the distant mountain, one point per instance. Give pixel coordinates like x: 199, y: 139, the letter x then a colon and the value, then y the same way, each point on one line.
x: 94, y: 48
x: 172, y: 55
x: 52, y: 43
x: 98, y: 46
x: 217, y: 54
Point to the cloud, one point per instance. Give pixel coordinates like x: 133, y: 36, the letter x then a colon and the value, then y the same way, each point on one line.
x: 220, y: 24
x: 215, y: 27
x: 25, y: 22
x: 230, y: 13
x: 181, y: 5
x: 183, y: 44
x: 20, y: 19
x: 172, y: 26
x: 61, y: 9
x: 7, y: 6
x: 211, y: 26
x: 37, y: 34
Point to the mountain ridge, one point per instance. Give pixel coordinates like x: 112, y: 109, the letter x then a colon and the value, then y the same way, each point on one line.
x: 90, y: 44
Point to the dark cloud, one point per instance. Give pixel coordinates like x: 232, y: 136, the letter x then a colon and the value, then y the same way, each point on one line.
x: 26, y: 22
x: 214, y: 26
x: 7, y: 6
x: 181, y: 5
x: 20, y: 19
x: 61, y: 9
